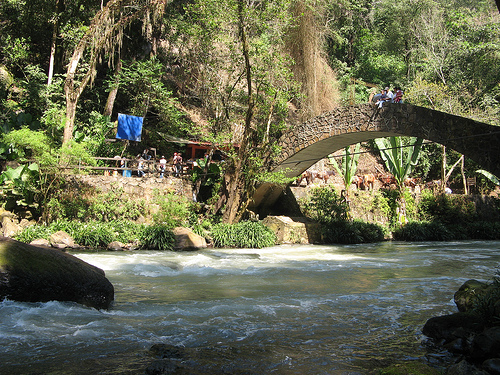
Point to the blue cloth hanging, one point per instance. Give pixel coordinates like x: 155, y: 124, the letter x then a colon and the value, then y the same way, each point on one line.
x: 129, y: 127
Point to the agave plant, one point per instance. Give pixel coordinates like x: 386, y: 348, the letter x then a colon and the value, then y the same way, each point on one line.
x: 399, y: 159
x: 348, y: 166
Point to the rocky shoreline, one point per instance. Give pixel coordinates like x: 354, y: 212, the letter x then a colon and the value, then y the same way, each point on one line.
x: 472, y: 334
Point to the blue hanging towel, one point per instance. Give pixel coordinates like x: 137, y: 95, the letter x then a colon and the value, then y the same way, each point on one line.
x: 129, y: 127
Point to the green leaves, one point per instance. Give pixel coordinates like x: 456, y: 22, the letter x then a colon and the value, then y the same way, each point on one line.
x: 349, y: 164
x: 212, y: 175
x: 17, y: 186
x: 326, y: 206
x: 157, y: 237
x: 245, y: 234
x: 398, y: 157
x: 489, y: 176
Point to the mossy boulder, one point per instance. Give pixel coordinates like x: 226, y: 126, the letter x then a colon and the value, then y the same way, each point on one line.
x: 468, y: 294
x: 35, y: 274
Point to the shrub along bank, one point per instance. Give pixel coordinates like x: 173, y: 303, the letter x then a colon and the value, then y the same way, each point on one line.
x: 94, y: 220
x: 430, y: 217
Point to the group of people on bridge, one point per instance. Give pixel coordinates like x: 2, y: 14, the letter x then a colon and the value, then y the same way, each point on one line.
x: 386, y: 95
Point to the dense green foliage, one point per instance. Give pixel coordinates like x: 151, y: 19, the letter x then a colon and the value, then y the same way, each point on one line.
x: 331, y: 210
x: 220, y: 71
x: 92, y: 234
x: 352, y: 232
x: 157, y: 237
x: 452, y: 217
x: 443, y: 54
x: 486, y: 301
x: 245, y: 234
x: 173, y: 210
x: 325, y: 205
x: 431, y: 217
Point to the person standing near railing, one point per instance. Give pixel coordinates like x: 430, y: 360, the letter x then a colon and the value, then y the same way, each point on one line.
x: 162, y: 166
x: 140, y: 167
x: 177, y: 161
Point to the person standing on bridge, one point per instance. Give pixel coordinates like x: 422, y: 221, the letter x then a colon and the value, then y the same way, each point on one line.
x: 390, y: 94
x: 381, y: 99
x: 398, y: 97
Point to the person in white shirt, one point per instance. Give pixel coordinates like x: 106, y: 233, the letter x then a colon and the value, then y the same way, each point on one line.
x: 163, y: 165
x: 390, y: 95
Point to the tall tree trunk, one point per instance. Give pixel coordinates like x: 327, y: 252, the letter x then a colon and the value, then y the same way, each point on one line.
x: 108, y: 110
x: 238, y: 186
x: 443, y: 171
x: 73, y: 93
x: 52, y: 53
x: 53, y: 44
x: 69, y: 126
x: 401, y: 208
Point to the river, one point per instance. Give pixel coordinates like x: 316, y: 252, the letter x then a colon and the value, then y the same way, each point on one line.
x: 290, y: 309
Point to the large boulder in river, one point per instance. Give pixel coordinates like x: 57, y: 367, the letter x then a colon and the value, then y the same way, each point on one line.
x: 186, y: 239
x: 35, y: 274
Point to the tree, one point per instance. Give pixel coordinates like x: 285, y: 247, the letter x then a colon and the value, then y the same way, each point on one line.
x: 104, y: 35
x: 432, y: 42
x: 236, y: 51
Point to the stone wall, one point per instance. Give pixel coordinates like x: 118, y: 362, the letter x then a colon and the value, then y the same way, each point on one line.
x: 139, y: 187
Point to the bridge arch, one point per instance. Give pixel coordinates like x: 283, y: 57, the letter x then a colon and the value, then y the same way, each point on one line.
x: 320, y: 136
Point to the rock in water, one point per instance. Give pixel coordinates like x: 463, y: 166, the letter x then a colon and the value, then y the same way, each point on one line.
x: 186, y: 239
x: 35, y: 274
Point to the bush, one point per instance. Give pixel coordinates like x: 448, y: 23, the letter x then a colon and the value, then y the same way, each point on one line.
x: 326, y: 206
x: 157, y: 237
x: 80, y: 202
x: 486, y: 304
x: 483, y: 230
x: 93, y: 234
x: 438, y: 231
x: 245, y: 234
x: 393, y: 200
x: 125, y: 231
x: 423, y: 231
x: 448, y: 209
x: 350, y: 232
x: 175, y: 210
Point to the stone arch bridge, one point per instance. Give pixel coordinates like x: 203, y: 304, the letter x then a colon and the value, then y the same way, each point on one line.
x: 320, y: 136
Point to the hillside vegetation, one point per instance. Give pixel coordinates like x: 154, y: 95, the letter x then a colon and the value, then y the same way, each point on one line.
x: 227, y: 73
